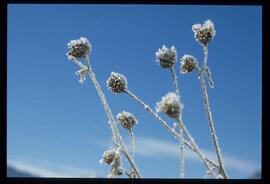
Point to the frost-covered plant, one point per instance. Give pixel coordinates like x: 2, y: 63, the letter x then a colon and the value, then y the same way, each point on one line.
x: 188, y: 64
x: 170, y: 104
x: 204, y: 33
x: 112, y: 157
x: 127, y: 120
x: 166, y: 57
x: 80, y: 49
x: 117, y: 83
x: 109, y: 156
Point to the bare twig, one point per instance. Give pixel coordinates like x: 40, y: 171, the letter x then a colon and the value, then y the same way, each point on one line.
x: 208, y: 112
x: 182, y: 171
x: 132, y: 139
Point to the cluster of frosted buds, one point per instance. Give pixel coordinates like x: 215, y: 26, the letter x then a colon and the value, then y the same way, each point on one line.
x: 204, y: 33
x: 188, y: 64
x: 79, y: 48
x: 81, y: 73
x: 169, y: 105
x: 166, y: 57
x: 117, y: 83
x: 126, y: 119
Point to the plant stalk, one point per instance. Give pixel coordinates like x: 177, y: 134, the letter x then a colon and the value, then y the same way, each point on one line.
x: 112, y: 123
x: 132, y: 139
x: 182, y: 166
x: 209, y: 114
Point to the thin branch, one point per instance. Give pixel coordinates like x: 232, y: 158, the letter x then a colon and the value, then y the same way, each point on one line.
x: 182, y: 166
x: 132, y: 139
x: 77, y: 62
x: 209, y: 114
x: 175, y: 83
x: 182, y: 158
x: 195, y: 145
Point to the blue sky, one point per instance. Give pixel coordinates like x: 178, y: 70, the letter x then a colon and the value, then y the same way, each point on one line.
x: 58, y: 127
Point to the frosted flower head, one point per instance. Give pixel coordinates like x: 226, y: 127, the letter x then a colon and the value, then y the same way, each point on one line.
x: 79, y: 48
x: 108, y: 156
x: 204, y: 33
x: 117, y: 83
x: 112, y: 158
x: 169, y: 104
x: 166, y: 57
x: 188, y: 64
x: 126, y: 119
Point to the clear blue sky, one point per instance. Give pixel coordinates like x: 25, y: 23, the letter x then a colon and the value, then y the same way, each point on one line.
x: 56, y: 125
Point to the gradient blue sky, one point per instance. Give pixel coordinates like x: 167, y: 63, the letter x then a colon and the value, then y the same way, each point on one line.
x: 58, y: 127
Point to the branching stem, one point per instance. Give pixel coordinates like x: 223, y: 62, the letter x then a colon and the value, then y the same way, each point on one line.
x: 209, y: 114
x: 176, y: 135
x: 116, y: 135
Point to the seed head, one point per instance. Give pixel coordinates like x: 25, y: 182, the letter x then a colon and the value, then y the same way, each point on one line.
x: 108, y: 156
x: 169, y: 104
x: 166, y: 57
x: 79, y: 48
x: 204, y: 33
x: 117, y: 83
x: 188, y: 64
x: 126, y: 119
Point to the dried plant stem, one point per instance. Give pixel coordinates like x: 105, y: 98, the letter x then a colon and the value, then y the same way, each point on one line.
x: 182, y: 158
x: 209, y: 114
x: 176, y: 135
x: 175, y: 82
x: 182, y: 166
x: 132, y: 139
x: 195, y: 145
x: 78, y: 62
x: 115, y: 131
